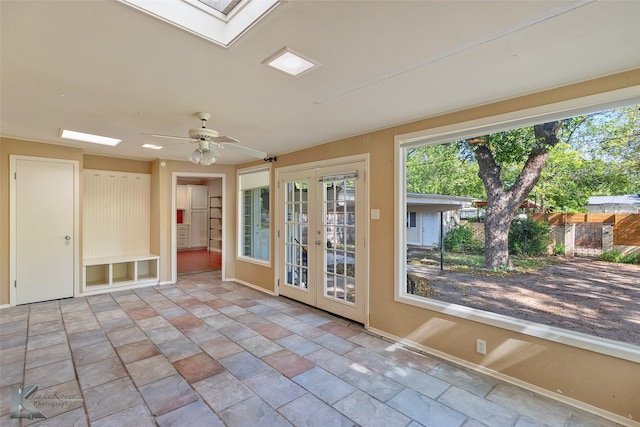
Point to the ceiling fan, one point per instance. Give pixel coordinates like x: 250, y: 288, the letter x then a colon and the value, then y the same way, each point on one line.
x: 208, y: 140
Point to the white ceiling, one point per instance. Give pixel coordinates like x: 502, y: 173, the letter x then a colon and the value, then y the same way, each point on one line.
x: 103, y: 67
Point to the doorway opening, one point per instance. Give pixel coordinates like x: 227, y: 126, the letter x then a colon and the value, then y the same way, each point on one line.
x: 198, y: 237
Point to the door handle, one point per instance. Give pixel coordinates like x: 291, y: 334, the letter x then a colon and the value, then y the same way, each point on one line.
x: 67, y: 237
x: 318, y: 242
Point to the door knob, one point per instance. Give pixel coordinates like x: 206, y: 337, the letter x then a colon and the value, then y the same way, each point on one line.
x: 67, y: 237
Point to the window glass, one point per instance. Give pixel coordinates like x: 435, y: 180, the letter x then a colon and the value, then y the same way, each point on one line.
x: 566, y: 257
x: 254, y: 231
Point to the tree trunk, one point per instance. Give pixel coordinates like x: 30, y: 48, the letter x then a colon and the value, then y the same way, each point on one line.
x: 496, y: 246
x: 502, y: 204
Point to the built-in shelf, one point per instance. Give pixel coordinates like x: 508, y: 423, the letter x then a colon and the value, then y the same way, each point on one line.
x: 215, y: 223
x: 111, y: 273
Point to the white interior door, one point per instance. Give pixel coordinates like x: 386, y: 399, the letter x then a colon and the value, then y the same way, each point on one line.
x: 324, y: 233
x: 43, y: 221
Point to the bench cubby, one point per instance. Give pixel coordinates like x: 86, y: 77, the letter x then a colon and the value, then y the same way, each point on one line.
x: 119, y: 272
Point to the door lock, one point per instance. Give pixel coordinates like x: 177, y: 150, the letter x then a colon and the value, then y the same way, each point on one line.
x: 67, y: 237
x: 318, y: 242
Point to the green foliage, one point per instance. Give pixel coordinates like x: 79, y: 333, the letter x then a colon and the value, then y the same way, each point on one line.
x: 616, y: 256
x: 460, y: 239
x: 559, y: 249
x: 429, y: 171
x: 528, y: 237
x: 598, y: 154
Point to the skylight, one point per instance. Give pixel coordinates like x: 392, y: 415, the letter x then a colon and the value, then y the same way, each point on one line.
x: 222, y: 6
x: 219, y: 21
x: 87, y: 137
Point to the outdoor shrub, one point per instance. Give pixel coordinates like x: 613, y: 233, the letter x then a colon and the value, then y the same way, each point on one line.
x: 460, y: 239
x: 528, y: 237
x: 611, y: 256
x: 558, y: 250
x: 616, y: 256
x: 631, y: 258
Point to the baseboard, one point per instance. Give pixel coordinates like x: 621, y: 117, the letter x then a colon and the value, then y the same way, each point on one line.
x: 4, y: 306
x: 251, y: 285
x: 507, y: 379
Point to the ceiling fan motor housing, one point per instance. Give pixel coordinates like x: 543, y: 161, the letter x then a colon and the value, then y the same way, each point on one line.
x: 202, y: 134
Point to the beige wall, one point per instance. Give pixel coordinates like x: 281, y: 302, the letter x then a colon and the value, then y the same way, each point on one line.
x: 601, y: 381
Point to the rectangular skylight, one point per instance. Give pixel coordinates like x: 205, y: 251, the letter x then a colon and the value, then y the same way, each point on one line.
x: 87, y: 137
x: 152, y: 146
x: 222, y: 6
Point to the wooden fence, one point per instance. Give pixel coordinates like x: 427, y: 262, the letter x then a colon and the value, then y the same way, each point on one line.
x: 626, y: 227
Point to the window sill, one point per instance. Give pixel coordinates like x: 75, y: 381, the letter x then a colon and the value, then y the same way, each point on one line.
x: 604, y: 346
x: 254, y: 261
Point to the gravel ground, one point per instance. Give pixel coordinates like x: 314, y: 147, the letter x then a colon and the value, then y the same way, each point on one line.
x: 579, y: 294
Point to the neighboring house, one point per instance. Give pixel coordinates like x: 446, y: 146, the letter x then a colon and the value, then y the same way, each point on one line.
x: 427, y: 214
x: 628, y: 203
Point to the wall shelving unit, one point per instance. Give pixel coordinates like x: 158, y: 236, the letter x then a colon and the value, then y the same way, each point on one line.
x: 215, y: 223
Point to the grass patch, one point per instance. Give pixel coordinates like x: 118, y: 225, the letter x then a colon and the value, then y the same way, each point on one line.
x: 474, y: 263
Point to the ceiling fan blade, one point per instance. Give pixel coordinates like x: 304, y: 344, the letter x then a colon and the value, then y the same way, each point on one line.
x: 244, y: 150
x: 169, y: 137
x: 222, y: 139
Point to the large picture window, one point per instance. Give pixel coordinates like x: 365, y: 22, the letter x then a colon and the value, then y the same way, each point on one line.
x: 592, y: 156
x: 254, y: 240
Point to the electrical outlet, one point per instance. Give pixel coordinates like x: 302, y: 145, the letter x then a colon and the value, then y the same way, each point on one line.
x: 481, y: 346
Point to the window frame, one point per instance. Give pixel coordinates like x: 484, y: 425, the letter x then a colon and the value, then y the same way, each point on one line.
x: 240, y: 237
x: 483, y: 126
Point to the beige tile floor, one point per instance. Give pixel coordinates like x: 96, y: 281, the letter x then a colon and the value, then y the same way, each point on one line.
x: 207, y: 353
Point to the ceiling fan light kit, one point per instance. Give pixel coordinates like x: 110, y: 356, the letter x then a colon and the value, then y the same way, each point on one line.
x: 205, y: 154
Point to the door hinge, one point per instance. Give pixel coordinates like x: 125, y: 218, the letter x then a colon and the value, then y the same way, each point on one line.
x: 278, y: 234
x: 15, y: 175
x: 15, y: 283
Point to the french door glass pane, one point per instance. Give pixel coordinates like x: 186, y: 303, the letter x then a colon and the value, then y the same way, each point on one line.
x: 296, y: 231
x: 339, y: 225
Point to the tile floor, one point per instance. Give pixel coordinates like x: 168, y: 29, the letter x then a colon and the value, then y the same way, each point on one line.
x: 207, y: 353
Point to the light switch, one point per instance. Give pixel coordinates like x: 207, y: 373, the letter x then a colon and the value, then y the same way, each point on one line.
x: 375, y: 213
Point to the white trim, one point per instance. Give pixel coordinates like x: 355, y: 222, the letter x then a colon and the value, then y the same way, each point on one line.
x: 77, y: 262
x: 206, y: 22
x: 112, y: 289
x: 239, y: 220
x: 609, y: 347
x: 505, y: 378
x: 174, y: 219
x: 484, y: 126
x: 5, y: 306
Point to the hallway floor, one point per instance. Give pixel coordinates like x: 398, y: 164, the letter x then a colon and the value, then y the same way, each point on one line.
x: 198, y: 261
x: 208, y: 353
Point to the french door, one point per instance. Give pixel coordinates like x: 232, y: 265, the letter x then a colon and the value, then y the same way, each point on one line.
x: 323, y: 238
